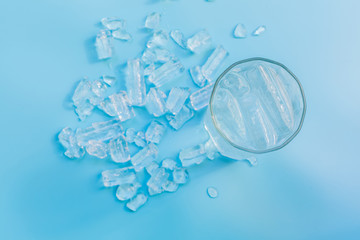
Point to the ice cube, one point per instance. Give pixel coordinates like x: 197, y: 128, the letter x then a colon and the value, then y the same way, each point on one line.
x: 156, y: 55
x: 118, y: 176
x: 121, y: 34
x: 259, y: 30
x: 176, y: 99
x: 113, y: 23
x: 119, y: 150
x: 240, y: 31
x: 178, y: 120
x: 151, y: 168
x: 103, y: 44
x: 144, y: 157
x: 198, y: 41
x: 69, y: 142
x: 193, y: 155
x: 157, y: 181
x: 155, y: 102
x: 170, y: 186
x: 155, y: 131
x: 153, y: 20
x: 97, y: 149
x: 166, y: 72
x: 180, y: 175
x: 109, y: 80
x: 213, y: 62
x: 130, y: 135
x: 158, y: 39
x: 178, y: 38
x: 197, y: 76
x: 139, y: 139
x: 136, y: 202
x: 118, y: 105
x: 212, y: 192
x: 169, y: 164
x: 135, y: 83
x: 201, y: 97
x: 127, y: 191
x: 149, y: 69
x: 81, y: 96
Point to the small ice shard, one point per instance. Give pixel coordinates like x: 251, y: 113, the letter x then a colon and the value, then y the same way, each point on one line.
x: 121, y: 34
x: 136, y: 202
x: 178, y: 120
x: 158, y: 39
x: 212, y: 192
x: 82, y: 93
x: 109, y: 80
x: 135, y: 83
x: 119, y: 150
x: 152, y: 167
x: 213, y: 62
x: 130, y: 135
x: 149, y: 69
x: 127, y: 191
x: 180, y: 175
x: 156, y: 55
x: 240, y: 31
x: 198, y: 41
x: 252, y: 160
x: 192, y: 156
x: 68, y: 140
x: 166, y: 72
x: 197, y: 76
x: 83, y: 109
x: 98, y: 88
x: 97, y: 149
x: 118, y: 176
x: 155, y: 131
x: 103, y: 44
x: 259, y: 30
x: 152, y: 20
x: 144, y: 157
x: 118, y: 105
x: 113, y: 23
x: 155, y: 102
x: 168, y: 164
x: 139, y: 139
x: 176, y: 99
x: 157, y: 180
x: 201, y: 97
x: 178, y: 38
x: 170, y: 186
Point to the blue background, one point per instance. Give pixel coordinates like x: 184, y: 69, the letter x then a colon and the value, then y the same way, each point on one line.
x: 308, y: 190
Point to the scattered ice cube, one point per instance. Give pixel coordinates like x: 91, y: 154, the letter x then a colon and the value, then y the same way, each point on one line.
x: 155, y: 102
x: 119, y: 150
x: 153, y: 20
x: 139, y: 139
x: 192, y: 156
x: 252, y: 160
x: 118, y: 105
x: 170, y: 186
x: 213, y: 62
x: 152, y: 167
x: 127, y: 191
x: 240, y: 31
x: 201, y: 97
x: 136, y: 202
x: 198, y: 41
x: 178, y: 38
x: 121, y: 34
x: 156, y: 55
x: 197, y: 76
x: 68, y: 140
x: 180, y: 175
x: 212, y: 192
x: 81, y: 99
x: 113, y: 23
x: 259, y: 30
x: 97, y: 149
x: 109, y: 80
x: 149, y: 69
x: 155, y: 131
x: 158, y: 39
x: 130, y: 135
x: 169, y: 164
x: 176, y: 99
x: 135, y: 83
x: 166, y: 72
x: 118, y: 176
x: 178, y: 120
x: 144, y: 157
x: 157, y: 181
x: 103, y: 44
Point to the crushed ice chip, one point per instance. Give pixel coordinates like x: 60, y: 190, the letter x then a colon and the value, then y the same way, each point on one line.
x: 135, y: 83
x: 127, y: 191
x: 170, y: 186
x: 103, y: 45
x: 169, y: 164
x: 113, y: 23
x: 180, y: 175
x: 213, y: 62
x: 121, y: 34
x: 118, y: 176
x: 155, y: 131
x: 240, y: 31
x: 150, y: 169
x: 157, y: 181
x: 252, y: 160
x: 178, y: 120
x: 197, y: 76
x: 139, y: 139
x: 68, y: 140
x: 158, y: 39
x: 144, y: 157
x: 192, y: 156
x: 178, y: 37
x: 130, y: 135
x: 259, y: 30
x: 176, y: 99
x: 198, y: 41
x: 97, y: 149
x: 201, y: 97
x: 212, y: 192
x: 152, y: 20
x: 119, y: 150
x: 136, y: 202
x: 109, y: 80
x: 156, y: 55
x: 166, y: 72
x: 155, y: 102
x: 118, y: 105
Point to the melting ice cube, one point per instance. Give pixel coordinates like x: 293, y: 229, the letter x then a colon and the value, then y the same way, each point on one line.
x: 118, y: 176
x: 136, y: 202
x: 240, y: 31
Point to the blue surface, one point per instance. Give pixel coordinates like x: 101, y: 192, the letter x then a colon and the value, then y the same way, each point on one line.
x: 308, y: 190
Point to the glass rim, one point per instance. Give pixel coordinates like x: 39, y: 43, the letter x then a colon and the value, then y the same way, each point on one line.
x: 244, y: 148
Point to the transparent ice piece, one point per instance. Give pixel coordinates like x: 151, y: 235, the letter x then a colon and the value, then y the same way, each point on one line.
x: 149, y: 69
x: 178, y: 120
x: 213, y: 62
x: 180, y: 175
x: 144, y: 157
x: 130, y: 135
x: 119, y: 150
x: 81, y: 99
x: 158, y: 39
x: 103, y: 44
x: 178, y: 38
x: 97, y: 149
x: 201, y: 97
x: 118, y: 176
x: 68, y: 140
x: 151, y: 168
x: 109, y: 80
x: 139, y: 139
x: 259, y: 30
x: 136, y: 202
x: 156, y: 55
x: 252, y: 160
x: 155, y: 102
x: 121, y: 34
x: 118, y: 105
x: 166, y: 72
x: 135, y: 83
x: 197, y: 154
x: 176, y: 99
x: 113, y: 23
x: 197, y: 76
x: 169, y: 164
x: 212, y: 192
x: 152, y: 20
x: 157, y: 180
x: 198, y: 41
x: 170, y: 186
x: 155, y: 131
x: 127, y: 191
x: 240, y: 31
